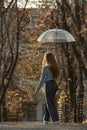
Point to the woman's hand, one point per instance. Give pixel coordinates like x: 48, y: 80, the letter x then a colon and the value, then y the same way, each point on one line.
x: 36, y: 92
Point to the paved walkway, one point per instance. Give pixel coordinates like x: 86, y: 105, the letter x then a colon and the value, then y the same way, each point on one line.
x: 40, y: 126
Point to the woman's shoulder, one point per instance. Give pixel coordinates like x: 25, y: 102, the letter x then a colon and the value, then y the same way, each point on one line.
x: 46, y: 68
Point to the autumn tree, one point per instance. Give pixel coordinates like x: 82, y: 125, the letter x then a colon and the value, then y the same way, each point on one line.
x: 11, y: 25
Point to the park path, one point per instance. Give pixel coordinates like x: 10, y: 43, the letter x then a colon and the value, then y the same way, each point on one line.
x: 40, y: 126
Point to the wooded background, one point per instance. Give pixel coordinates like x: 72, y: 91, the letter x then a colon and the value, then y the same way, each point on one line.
x: 21, y: 57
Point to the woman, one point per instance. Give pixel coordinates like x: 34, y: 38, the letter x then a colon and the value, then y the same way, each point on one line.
x: 50, y: 74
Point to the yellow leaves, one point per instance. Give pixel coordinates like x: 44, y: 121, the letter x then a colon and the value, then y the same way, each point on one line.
x: 64, y: 96
x: 85, y: 121
x: 16, y: 94
x: 83, y: 30
x: 69, y: 21
x: 20, y: 98
x: 16, y: 98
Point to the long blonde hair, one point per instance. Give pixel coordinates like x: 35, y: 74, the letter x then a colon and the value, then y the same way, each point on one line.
x: 49, y: 60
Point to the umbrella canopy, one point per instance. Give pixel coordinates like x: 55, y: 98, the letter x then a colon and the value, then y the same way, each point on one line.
x: 56, y: 35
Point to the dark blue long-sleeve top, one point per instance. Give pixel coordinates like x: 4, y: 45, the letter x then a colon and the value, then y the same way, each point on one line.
x: 46, y: 75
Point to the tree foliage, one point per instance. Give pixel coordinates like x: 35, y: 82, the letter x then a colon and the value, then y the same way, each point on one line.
x: 71, y: 16
x: 65, y: 14
x: 10, y: 27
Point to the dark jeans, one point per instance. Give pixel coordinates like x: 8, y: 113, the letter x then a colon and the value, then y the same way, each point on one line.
x: 50, y: 108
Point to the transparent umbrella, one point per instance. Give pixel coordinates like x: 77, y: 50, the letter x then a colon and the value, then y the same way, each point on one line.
x: 56, y: 36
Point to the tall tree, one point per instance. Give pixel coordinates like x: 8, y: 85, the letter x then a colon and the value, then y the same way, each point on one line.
x: 11, y: 18
x: 73, y: 19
